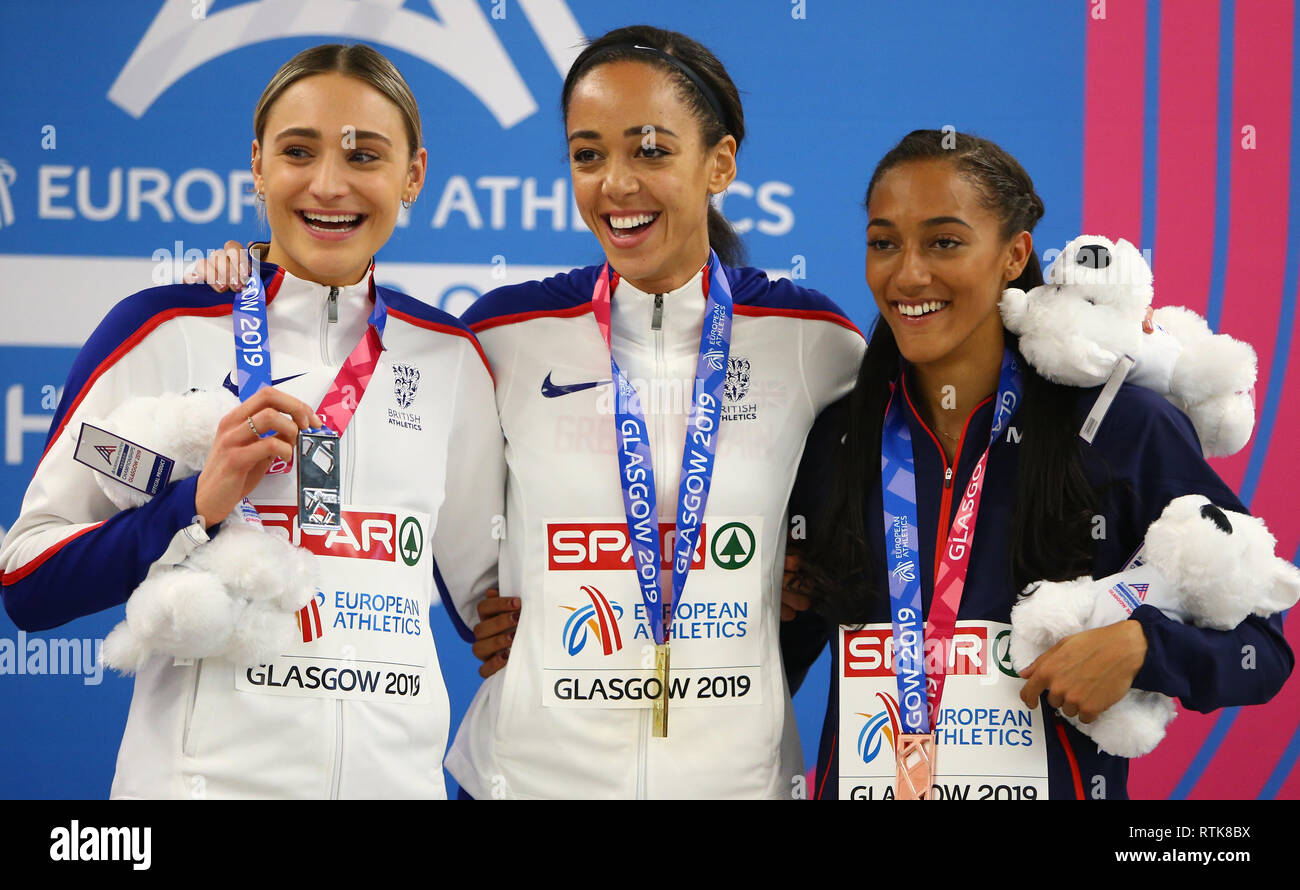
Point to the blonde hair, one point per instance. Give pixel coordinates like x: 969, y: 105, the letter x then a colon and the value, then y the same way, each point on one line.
x: 359, y: 61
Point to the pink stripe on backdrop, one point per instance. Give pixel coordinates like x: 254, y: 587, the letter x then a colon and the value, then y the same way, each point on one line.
x: 1189, y: 87
x: 1112, y: 123
x: 1155, y: 776
x: 1258, y: 205
x: 1255, y: 743
x: 1290, y: 789
x: 1182, y: 256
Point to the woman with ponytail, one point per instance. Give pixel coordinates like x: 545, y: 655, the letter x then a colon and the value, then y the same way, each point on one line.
x: 981, y: 460
x: 604, y: 376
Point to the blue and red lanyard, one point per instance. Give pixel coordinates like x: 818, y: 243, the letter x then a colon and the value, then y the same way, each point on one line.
x: 635, y: 465
x: 918, y: 697
x: 253, y: 356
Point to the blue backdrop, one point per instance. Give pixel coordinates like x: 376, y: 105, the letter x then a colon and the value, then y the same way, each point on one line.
x: 127, y: 138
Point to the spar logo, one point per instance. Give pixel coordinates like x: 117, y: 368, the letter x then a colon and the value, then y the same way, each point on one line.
x: 597, y: 619
x: 1002, y: 654
x: 309, y: 624
x: 412, y: 540
x: 604, y: 546
x: 361, y: 534
x: 457, y: 39
x: 733, y: 546
x: 870, y: 653
x: 884, y: 723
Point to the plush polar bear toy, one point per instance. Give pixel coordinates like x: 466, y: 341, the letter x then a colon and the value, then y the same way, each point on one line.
x: 234, y: 596
x: 1199, y: 564
x: 1077, y: 326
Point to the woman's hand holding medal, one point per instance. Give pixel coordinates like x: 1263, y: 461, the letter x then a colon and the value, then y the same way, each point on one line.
x: 242, y: 451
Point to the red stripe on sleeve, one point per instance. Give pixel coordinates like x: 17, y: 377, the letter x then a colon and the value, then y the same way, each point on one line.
x: 515, y: 318
x: 127, y: 345
x: 813, y: 314
x: 23, y: 571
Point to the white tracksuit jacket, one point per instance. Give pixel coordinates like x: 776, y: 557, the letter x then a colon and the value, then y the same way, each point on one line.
x: 567, y: 716
x: 422, y: 476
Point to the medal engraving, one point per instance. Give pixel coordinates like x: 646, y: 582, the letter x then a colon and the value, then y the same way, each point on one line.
x: 318, y: 480
x: 915, y: 760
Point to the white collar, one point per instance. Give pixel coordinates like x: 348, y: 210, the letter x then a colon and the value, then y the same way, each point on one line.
x: 297, y: 304
x: 681, y: 311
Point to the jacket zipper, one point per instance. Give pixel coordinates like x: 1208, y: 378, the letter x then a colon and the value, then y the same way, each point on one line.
x: 338, y: 749
x: 186, y: 748
x: 656, y: 325
x: 332, y: 317
x: 949, y: 470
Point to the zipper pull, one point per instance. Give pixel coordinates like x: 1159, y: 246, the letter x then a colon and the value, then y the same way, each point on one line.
x: 947, y: 478
x: 657, y: 321
x: 333, y: 304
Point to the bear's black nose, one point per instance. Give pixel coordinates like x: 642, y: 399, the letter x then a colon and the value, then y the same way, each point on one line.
x: 1093, y: 256
x: 1215, y: 515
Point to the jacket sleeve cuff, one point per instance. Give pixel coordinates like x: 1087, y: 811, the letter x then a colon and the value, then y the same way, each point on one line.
x: 181, y: 508
x: 1154, y: 675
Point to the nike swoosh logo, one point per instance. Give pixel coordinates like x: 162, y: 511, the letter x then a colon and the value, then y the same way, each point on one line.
x: 554, y: 390
x: 229, y: 382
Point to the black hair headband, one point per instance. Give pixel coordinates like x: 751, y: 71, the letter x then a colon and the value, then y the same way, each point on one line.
x: 708, y: 94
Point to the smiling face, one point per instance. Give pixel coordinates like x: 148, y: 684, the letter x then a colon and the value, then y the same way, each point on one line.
x: 642, y: 176
x: 937, y: 264
x: 334, y: 163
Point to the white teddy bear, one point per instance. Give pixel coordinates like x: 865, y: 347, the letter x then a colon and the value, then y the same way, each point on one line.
x: 234, y: 596
x: 1199, y: 564
x: 1075, y: 328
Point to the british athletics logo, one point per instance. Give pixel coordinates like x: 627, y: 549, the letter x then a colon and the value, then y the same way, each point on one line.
x: 599, y: 620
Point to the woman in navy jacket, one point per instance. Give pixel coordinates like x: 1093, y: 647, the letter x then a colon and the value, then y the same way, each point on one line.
x: 949, y: 228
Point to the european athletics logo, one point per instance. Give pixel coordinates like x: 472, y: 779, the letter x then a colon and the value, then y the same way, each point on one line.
x: 453, y: 36
x: 600, y: 619
x: 309, y: 618
x: 883, y: 723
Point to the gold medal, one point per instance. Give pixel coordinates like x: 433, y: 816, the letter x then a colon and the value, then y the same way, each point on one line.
x: 659, y: 725
x: 915, y: 760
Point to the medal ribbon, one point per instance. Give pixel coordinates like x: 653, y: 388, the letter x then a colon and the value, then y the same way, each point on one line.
x: 636, y: 467
x: 919, y: 696
x: 253, y: 357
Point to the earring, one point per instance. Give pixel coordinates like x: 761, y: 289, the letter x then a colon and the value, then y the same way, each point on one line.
x: 406, y: 205
x: 260, y: 196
